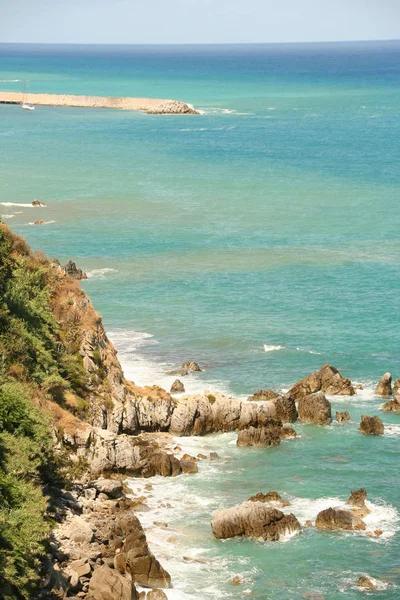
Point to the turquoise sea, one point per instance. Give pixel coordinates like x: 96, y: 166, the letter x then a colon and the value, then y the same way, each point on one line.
x: 260, y: 239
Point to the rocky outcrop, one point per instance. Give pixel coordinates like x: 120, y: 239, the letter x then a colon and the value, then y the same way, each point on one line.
x: 263, y: 395
x: 73, y: 271
x: 392, y: 405
x: 332, y: 519
x: 396, y: 387
x: 187, y: 367
x: 371, y: 425
x: 177, y: 387
x: 327, y: 380
x: 315, y: 408
x: 357, y: 502
x: 172, y: 107
x: 109, y: 584
x: 366, y: 583
x: 254, y: 519
x: 267, y: 435
x: 343, y: 417
x: 384, y: 387
x: 269, y: 498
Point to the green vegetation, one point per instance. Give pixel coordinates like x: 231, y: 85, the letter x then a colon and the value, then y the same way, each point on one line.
x: 40, y: 368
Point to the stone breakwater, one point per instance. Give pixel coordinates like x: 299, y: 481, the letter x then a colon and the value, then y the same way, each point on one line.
x: 148, y: 105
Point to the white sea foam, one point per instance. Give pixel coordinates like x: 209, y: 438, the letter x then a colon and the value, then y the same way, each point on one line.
x: 100, y: 273
x: 17, y: 204
x: 268, y: 348
x: 7, y: 216
x: 10, y: 80
x: 392, y: 430
x: 309, y: 351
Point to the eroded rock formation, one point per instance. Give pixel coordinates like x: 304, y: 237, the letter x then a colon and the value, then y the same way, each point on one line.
x: 327, y: 380
x: 384, y: 387
x: 371, y: 425
x: 315, y: 408
x: 332, y: 519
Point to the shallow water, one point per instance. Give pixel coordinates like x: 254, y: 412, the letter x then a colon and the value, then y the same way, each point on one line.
x: 260, y: 239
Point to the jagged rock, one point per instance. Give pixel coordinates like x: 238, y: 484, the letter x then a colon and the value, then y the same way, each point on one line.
x: 109, y: 584
x: 371, y: 425
x: 384, y: 387
x: 177, y: 387
x: 56, y: 581
x: 193, y: 415
x: 315, y: 408
x: 332, y: 519
x: 73, y: 271
x: 261, y: 437
x: 287, y: 433
x: 173, y: 107
x: 263, y: 395
x: 214, y: 456
x: 396, y: 387
x: 112, y: 488
x: 253, y: 519
x: 39, y: 204
x: 161, y: 463
x: 147, y: 571
x: 392, y: 405
x: 285, y: 408
x: 366, y: 583
x: 357, y: 502
x: 269, y: 497
x: 327, y: 380
x: 154, y: 413
x: 342, y: 417
x: 187, y: 367
x: 156, y: 595
x: 80, y: 531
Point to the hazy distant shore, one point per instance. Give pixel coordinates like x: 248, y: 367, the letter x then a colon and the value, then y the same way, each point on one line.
x: 148, y: 105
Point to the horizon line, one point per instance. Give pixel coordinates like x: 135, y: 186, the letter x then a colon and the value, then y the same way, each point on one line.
x: 198, y: 43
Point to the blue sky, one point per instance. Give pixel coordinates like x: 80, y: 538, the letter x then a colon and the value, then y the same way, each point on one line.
x: 197, y: 21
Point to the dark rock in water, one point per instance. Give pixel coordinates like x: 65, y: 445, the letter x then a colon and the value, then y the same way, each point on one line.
x: 327, y: 380
x: 396, y: 387
x: 214, y: 456
x: 107, y: 583
x: 332, y: 519
x: 285, y: 409
x: 263, y: 395
x: 177, y: 387
x: 269, y: 497
x: 187, y: 367
x: 315, y: 408
x: 288, y: 433
x: 38, y: 222
x: 371, y: 425
x: 392, y: 405
x: 366, y: 583
x: 384, y: 387
x: 72, y: 270
x: 253, y: 519
x: 39, y: 204
x: 342, y: 417
x: 357, y: 502
x: 189, y: 466
x: 268, y: 435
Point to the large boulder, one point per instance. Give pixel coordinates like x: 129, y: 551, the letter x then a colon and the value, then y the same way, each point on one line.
x: 267, y: 435
x: 371, y: 425
x: 253, y: 519
x: 285, y: 409
x: 154, y: 411
x: 332, y: 519
x: 366, y: 583
x: 315, y: 408
x: 327, y: 380
x: 110, y: 584
x: 193, y: 415
x: 110, y: 487
x: 384, y: 387
x: 392, y: 405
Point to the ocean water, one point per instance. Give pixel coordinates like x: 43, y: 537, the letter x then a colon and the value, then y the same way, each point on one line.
x: 260, y: 239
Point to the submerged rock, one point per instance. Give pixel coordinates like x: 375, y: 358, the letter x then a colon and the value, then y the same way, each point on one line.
x: 371, y: 425
x: 384, y: 387
x: 253, y: 519
x: 332, y: 519
x: 315, y: 408
x: 343, y: 417
x: 327, y: 380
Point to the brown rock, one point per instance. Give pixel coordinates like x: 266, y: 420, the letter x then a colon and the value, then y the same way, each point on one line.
x: 288, y: 433
x: 253, y: 519
x: 366, y: 583
x: 384, y: 387
x: 315, y: 408
x: 396, y: 387
x: 147, y: 571
x: 111, y: 487
x: 269, y: 497
x: 332, y: 519
x: 109, y: 584
x: 371, y: 425
x: 156, y: 595
x: 38, y: 222
x: 327, y: 380
x: 177, y: 387
x: 308, y: 523
x: 188, y: 458
x: 261, y: 437
x: 357, y: 502
x: 342, y: 417
x: 236, y: 580
x: 263, y: 395
x: 214, y: 456
x: 189, y: 466
x: 392, y: 405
